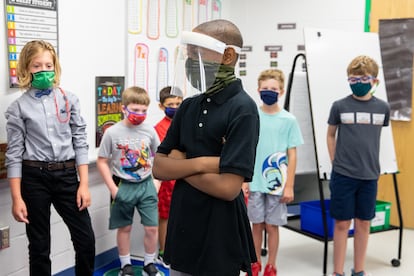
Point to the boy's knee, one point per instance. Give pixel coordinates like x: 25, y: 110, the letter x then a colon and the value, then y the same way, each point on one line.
x: 151, y: 230
x: 342, y: 225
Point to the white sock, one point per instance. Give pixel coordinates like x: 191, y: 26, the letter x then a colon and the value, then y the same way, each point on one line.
x: 148, y: 258
x: 126, y: 259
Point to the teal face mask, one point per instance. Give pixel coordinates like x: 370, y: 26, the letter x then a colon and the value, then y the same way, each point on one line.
x: 360, y: 89
x: 43, y: 79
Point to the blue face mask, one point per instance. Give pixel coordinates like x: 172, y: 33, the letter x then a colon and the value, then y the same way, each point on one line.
x: 360, y: 89
x: 269, y: 97
x: 170, y: 112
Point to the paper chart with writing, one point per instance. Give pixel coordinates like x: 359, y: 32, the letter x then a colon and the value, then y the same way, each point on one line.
x: 27, y: 21
x: 141, y: 65
x: 162, y: 70
x: 202, y: 11
x: 171, y: 18
x: 188, y: 15
x: 153, y: 19
x: 215, y: 9
x: 108, y: 104
x: 134, y: 10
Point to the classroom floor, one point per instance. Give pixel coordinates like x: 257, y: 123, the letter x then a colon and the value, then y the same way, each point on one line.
x: 300, y: 255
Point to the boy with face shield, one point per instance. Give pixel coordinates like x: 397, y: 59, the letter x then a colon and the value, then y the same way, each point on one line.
x: 210, y: 153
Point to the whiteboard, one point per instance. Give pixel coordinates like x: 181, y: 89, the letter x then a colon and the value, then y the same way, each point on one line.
x: 328, y: 53
x: 300, y: 108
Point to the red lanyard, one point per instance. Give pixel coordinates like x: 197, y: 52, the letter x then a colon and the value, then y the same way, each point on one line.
x: 66, y: 106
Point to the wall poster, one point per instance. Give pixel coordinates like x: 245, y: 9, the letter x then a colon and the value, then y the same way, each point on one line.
x: 108, y: 103
x: 397, y: 51
x: 28, y: 20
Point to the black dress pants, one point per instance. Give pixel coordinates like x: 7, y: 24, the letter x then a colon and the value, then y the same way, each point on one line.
x: 40, y: 188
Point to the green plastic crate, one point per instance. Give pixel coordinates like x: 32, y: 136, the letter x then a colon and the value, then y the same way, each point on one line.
x: 382, y: 216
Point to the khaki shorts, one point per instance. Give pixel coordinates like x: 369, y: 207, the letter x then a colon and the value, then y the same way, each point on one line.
x: 142, y: 196
x: 266, y: 208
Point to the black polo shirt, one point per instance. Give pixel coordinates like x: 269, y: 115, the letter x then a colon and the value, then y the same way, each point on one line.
x: 206, y: 235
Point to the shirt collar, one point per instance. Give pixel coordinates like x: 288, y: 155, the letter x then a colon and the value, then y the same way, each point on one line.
x: 228, y: 92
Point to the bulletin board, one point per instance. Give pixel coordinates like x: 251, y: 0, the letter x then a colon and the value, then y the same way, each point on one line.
x: 328, y: 53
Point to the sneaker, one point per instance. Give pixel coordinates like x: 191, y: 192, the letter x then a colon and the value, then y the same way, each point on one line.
x: 150, y: 270
x: 270, y: 270
x: 337, y: 274
x: 160, y: 260
x: 361, y: 273
x: 256, y: 268
x: 126, y: 271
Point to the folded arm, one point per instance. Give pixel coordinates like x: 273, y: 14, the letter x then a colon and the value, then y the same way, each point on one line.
x: 225, y: 186
x: 201, y: 172
x: 175, y: 166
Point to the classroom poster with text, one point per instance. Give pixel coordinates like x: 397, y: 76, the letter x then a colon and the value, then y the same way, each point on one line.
x: 108, y: 103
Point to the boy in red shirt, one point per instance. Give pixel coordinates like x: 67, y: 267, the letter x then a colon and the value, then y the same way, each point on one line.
x: 169, y: 104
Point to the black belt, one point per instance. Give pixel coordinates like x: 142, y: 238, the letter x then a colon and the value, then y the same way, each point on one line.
x: 50, y: 166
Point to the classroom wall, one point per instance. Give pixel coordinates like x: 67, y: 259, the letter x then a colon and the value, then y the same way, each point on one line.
x: 91, y: 44
x: 403, y: 132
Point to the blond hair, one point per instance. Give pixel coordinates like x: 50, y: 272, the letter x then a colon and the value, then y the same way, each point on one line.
x: 363, y: 65
x: 28, y: 53
x: 135, y: 95
x: 275, y: 74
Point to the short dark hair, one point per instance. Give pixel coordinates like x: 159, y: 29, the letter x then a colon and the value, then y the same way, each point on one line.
x: 165, y: 93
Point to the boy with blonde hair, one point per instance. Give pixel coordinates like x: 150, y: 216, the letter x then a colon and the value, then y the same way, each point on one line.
x: 353, y: 140
x: 128, y: 147
x: 274, y: 171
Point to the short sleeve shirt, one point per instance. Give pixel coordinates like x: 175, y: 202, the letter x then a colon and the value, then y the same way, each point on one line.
x: 130, y: 150
x: 162, y: 127
x: 358, y: 136
x: 206, y: 234
x: 278, y: 133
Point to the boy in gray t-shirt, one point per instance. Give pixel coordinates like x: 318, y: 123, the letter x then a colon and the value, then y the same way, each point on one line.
x: 126, y: 152
x: 353, y: 139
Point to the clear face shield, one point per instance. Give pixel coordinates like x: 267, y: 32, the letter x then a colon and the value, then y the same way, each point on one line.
x: 198, y: 60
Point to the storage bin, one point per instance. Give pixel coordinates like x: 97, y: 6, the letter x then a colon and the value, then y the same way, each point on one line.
x: 311, y: 218
x: 382, y: 216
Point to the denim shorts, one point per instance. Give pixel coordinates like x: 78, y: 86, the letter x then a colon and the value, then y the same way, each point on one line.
x: 352, y: 198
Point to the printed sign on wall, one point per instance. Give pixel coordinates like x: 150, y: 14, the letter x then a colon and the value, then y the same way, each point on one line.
x: 27, y: 21
x: 108, y: 103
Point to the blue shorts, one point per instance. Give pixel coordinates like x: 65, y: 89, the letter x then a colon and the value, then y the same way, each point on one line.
x: 352, y: 198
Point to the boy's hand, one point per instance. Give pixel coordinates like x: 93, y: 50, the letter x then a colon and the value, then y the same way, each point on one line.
x: 83, y: 197
x: 113, y: 192
x: 288, y: 195
x: 19, y: 211
x: 245, y: 189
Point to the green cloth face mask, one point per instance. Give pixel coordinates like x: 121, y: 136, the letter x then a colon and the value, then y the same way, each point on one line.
x: 43, y: 79
x: 224, y: 77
